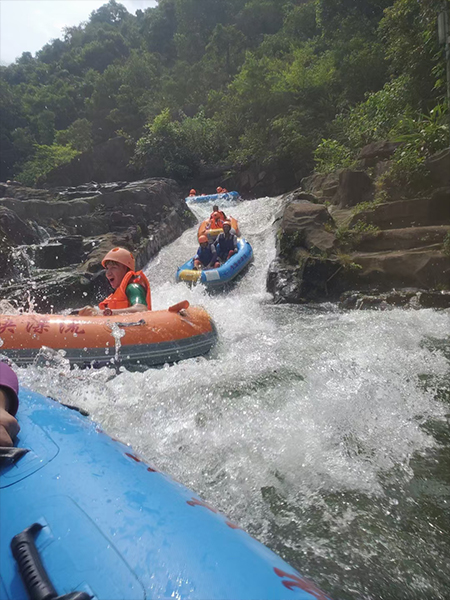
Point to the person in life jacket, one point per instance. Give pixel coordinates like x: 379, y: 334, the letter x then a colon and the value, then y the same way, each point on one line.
x: 9, y: 403
x: 226, y: 243
x: 192, y: 193
x: 131, y: 288
x: 216, y: 218
x: 206, y: 257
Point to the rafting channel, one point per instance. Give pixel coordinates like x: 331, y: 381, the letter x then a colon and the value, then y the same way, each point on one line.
x: 324, y: 433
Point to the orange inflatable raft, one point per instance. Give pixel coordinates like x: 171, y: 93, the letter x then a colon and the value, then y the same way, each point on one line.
x: 148, y: 338
x: 213, y: 233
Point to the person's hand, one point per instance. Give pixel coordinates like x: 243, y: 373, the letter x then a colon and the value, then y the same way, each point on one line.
x: 89, y: 311
x: 9, y: 427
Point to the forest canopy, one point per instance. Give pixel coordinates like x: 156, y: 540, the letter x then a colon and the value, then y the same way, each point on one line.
x: 281, y: 85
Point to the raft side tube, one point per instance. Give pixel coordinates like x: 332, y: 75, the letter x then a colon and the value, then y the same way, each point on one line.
x: 114, y: 527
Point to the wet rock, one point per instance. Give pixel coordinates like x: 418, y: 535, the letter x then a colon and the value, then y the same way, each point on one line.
x: 59, y: 252
x: 303, y: 226
x: 16, y: 231
x: 409, y: 298
x: 142, y: 216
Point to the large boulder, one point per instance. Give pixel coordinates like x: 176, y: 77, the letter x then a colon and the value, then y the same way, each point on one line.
x: 303, y: 225
x: 425, y: 268
x: 376, y: 152
x: 354, y: 187
x: 16, y: 231
x: 322, y: 185
x: 418, y: 212
x: 439, y: 167
x: 402, y: 239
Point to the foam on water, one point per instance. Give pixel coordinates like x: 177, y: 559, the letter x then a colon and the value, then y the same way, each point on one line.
x: 295, y: 423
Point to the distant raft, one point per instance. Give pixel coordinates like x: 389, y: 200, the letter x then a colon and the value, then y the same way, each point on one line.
x: 213, y: 197
x: 213, y: 233
x: 149, y: 338
x: 225, y: 273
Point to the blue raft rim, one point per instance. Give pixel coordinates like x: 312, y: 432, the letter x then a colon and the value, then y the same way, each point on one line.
x: 211, y: 197
x: 116, y: 528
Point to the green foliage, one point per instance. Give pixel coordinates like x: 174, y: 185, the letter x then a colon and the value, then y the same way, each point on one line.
x: 330, y: 155
x: 176, y: 148
x: 78, y: 136
x: 366, y: 206
x: 44, y: 160
x: 420, y: 137
x: 242, y: 82
x: 350, y: 237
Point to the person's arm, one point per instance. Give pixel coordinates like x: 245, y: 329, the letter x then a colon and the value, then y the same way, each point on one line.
x: 9, y: 427
x: 213, y: 260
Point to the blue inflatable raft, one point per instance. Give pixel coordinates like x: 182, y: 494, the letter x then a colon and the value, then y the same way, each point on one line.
x: 212, y: 197
x: 82, y: 516
x: 222, y: 275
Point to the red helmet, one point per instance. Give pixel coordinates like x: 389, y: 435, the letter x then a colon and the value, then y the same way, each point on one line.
x: 193, y: 192
x: 202, y: 239
x: 122, y: 256
x: 218, y: 190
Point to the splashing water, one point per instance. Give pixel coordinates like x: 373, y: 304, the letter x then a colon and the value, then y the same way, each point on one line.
x: 324, y: 433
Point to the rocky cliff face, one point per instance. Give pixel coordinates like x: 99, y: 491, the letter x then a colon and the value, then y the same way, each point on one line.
x: 53, y: 240
x: 337, y: 241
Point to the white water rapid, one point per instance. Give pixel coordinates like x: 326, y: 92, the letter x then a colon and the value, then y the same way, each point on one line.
x: 324, y: 433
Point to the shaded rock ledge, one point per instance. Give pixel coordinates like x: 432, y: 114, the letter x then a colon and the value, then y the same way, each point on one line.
x: 335, y: 242
x: 52, y: 241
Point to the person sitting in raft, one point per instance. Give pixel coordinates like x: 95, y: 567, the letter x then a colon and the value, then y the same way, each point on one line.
x: 206, y: 257
x: 192, y: 193
x: 131, y: 288
x: 226, y: 243
x: 9, y: 403
x: 216, y: 218
x: 221, y: 190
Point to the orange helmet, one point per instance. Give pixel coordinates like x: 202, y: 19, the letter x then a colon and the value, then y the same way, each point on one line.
x: 202, y: 239
x: 122, y: 256
x: 193, y: 192
x: 218, y: 190
x: 226, y: 223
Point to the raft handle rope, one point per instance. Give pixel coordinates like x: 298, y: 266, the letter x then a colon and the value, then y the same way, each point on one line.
x: 32, y: 571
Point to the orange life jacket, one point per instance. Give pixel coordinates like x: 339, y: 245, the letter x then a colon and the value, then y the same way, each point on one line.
x: 118, y: 299
x: 216, y: 220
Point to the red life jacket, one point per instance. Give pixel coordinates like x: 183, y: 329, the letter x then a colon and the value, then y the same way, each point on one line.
x: 216, y: 219
x: 118, y: 299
